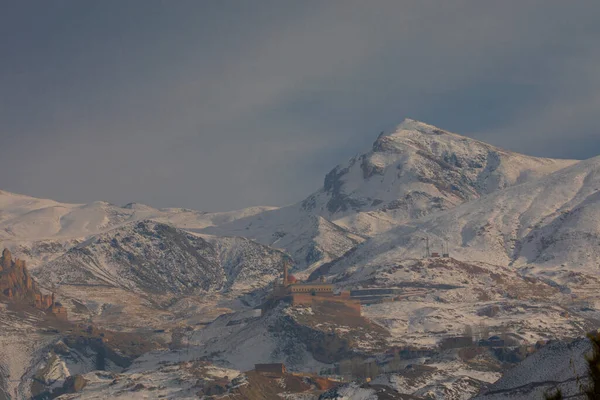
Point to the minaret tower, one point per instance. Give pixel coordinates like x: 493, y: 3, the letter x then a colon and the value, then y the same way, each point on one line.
x: 285, y: 273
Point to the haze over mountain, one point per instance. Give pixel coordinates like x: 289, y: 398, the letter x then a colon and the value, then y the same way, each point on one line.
x: 217, y: 107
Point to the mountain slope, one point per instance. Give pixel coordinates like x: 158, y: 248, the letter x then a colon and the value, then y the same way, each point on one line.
x: 558, y: 365
x: 550, y: 226
x: 151, y: 257
x: 151, y: 274
x: 409, y: 173
x: 39, y: 230
x: 142, y: 256
x: 309, y: 239
x: 28, y: 218
x: 247, y: 265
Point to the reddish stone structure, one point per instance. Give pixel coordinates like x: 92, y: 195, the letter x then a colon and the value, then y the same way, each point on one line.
x: 309, y: 294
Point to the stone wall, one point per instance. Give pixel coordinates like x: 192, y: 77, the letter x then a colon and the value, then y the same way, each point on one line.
x: 302, y: 299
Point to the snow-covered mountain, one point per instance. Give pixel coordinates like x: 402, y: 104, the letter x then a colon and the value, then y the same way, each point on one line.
x: 309, y: 239
x: 39, y: 230
x: 418, y: 169
x: 28, y: 218
x: 141, y: 256
x: 409, y: 173
x: 549, y: 227
x: 148, y: 272
x: 412, y: 172
x: 152, y: 257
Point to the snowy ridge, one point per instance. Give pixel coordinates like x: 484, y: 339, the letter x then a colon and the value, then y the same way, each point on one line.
x: 549, y: 226
x: 151, y: 257
x: 311, y: 240
x: 142, y: 256
x: 28, y: 218
x: 247, y: 264
x: 39, y: 230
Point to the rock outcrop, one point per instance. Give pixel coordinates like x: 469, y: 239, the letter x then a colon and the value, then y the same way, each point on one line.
x: 17, y: 284
x: 15, y: 280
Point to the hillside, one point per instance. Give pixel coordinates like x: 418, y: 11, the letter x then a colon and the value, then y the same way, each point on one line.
x: 39, y: 230
x: 560, y: 364
x: 548, y: 227
x: 311, y: 240
x: 141, y: 256
x: 25, y: 217
x: 151, y: 257
x: 148, y: 271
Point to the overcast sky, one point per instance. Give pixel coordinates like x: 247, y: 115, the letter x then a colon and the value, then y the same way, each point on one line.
x: 218, y: 105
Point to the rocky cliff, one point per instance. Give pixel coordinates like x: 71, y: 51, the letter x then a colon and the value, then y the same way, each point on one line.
x: 15, y: 281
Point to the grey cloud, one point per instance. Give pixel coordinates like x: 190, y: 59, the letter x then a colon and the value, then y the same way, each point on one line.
x: 222, y: 105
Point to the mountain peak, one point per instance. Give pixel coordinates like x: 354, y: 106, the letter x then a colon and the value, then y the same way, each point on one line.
x: 412, y: 132
x: 418, y: 169
x: 414, y: 125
